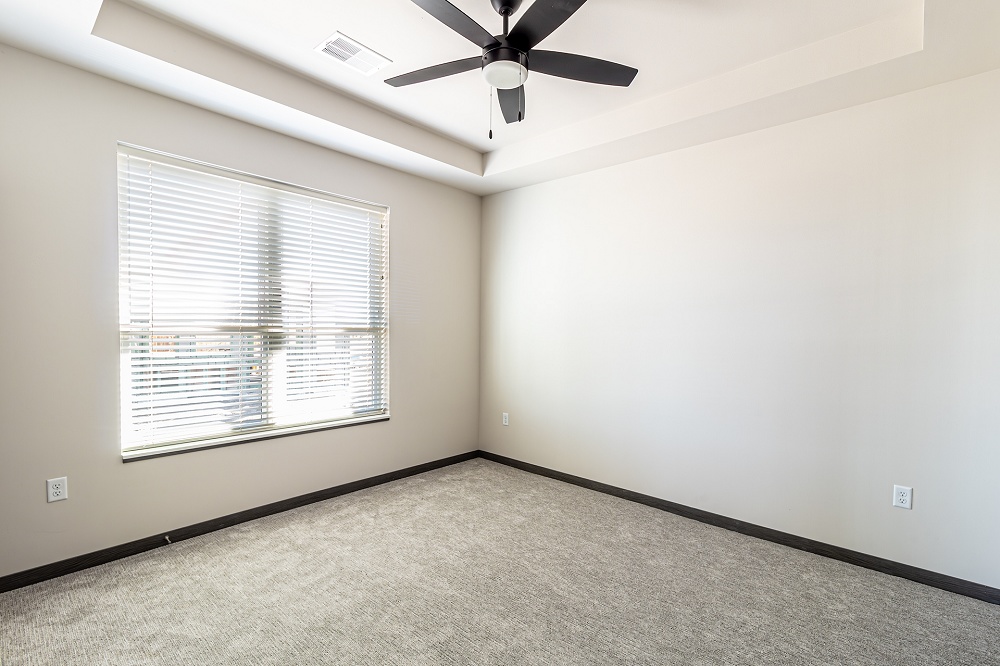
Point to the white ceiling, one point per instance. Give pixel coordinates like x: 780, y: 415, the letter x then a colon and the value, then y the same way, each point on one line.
x: 672, y: 42
x: 707, y: 69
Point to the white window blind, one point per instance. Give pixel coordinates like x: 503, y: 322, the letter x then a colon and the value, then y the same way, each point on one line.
x: 249, y: 308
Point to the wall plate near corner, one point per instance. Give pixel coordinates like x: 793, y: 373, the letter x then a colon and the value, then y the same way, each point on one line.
x: 902, y: 497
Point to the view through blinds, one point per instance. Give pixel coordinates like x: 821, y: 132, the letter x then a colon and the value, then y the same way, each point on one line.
x: 248, y: 307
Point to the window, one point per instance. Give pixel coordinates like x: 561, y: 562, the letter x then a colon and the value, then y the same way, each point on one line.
x: 248, y: 308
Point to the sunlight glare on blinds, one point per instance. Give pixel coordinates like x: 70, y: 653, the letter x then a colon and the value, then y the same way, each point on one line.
x: 248, y: 307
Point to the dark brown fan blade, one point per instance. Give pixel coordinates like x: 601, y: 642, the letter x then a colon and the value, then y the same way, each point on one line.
x: 436, y: 71
x: 581, y: 68
x: 459, y: 21
x: 512, y: 104
x: 540, y: 20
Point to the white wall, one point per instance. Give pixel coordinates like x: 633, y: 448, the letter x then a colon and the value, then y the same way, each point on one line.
x: 58, y: 326
x: 776, y: 327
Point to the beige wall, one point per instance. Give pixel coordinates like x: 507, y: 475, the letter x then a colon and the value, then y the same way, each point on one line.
x: 58, y: 335
x: 776, y: 327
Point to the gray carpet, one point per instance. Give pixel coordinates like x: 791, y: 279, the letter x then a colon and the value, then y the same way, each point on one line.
x: 479, y: 563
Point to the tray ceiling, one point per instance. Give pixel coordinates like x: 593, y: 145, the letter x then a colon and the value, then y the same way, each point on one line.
x: 707, y: 69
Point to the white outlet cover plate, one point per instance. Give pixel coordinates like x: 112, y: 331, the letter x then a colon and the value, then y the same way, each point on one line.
x: 57, y: 489
x: 902, y: 496
x: 506, y: 419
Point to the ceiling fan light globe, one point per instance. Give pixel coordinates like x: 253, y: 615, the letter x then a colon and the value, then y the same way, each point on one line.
x: 505, y: 74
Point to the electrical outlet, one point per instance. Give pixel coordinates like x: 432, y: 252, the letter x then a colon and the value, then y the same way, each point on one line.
x: 506, y: 419
x: 902, y: 496
x: 57, y: 489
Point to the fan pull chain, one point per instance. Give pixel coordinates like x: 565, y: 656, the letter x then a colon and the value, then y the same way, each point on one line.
x: 491, y: 113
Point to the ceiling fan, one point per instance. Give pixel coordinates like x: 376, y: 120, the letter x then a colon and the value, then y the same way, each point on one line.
x: 507, y: 58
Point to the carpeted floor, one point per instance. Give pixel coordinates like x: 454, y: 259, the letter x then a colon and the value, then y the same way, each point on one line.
x: 479, y: 563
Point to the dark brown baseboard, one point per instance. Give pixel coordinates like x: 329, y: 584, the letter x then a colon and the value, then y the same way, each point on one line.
x: 924, y: 576
x: 73, y: 564
x: 931, y: 578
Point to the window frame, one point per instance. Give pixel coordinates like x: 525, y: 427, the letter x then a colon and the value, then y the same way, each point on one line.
x: 127, y: 330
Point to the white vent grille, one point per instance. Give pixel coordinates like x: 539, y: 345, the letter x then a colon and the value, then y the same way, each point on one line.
x: 351, y: 53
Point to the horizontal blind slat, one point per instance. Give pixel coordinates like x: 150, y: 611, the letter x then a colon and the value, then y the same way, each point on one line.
x: 246, y: 305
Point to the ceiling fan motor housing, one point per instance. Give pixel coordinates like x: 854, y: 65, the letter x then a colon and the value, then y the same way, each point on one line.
x: 506, y: 7
x: 505, y: 67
